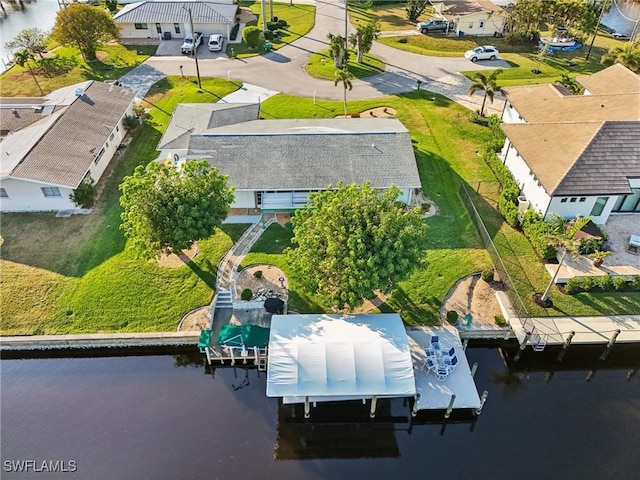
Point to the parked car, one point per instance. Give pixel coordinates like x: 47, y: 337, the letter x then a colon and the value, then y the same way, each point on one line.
x: 191, y: 42
x: 434, y: 25
x: 486, y: 52
x: 620, y: 36
x: 215, y: 42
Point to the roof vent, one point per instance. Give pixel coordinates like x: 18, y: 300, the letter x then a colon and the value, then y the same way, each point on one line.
x: 14, y: 111
x: 37, y: 109
x: 79, y: 92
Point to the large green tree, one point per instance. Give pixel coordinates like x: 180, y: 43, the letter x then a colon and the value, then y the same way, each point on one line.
x: 33, y: 40
x: 627, y: 55
x: 487, y: 84
x: 353, y: 240
x: 85, y: 27
x: 167, y: 209
x: 363, y: 39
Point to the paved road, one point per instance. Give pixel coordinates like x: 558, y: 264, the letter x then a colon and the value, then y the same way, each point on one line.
x: 283, y: 70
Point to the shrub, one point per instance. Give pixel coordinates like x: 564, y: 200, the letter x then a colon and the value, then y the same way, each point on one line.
x: 246, y: 294
x: 536, y: 229
x: 130, y: 122
x: 452, y: 317
x: 268, y: 35
x: 402, y: 40
x: 272, y: 26
x: 258, y: 274
x: 487, y: 275
x: 234, y: 32
x: 57, y: 65
x: 500, y: 321
x: 85, y: 195
x: 606, y: 283
x: 475, y: 117
x: 139, y: 111
x: 282, y: 23
x: 239, y: 268
x: 635, y: 283
x: 574, y: 285
x: 251, y: 36
x: 589, y: 283
x: 508, y: 208
x: 619, y: 284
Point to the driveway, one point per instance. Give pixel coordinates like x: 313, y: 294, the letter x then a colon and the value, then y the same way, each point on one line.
x: 283, y: 70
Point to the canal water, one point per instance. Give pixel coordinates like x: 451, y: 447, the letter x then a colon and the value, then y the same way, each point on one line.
x: 169, y: 417
x: 623, y: 16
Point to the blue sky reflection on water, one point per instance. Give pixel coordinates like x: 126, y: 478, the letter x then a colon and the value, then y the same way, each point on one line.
x: 143, y: 417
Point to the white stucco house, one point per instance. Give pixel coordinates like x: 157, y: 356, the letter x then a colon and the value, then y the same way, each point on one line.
x: 275, y: 164
x: 49, y: 145
x: 472, y: 17
x: 171, y: 19
x: 576, y: 154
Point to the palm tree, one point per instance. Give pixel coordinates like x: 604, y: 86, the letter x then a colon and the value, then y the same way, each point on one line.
x: 486, y: 84
x: 22, y: 58
x: 627, y: 55
x: 562, y: 237
x: 337, y: 50
x: 344, y: 76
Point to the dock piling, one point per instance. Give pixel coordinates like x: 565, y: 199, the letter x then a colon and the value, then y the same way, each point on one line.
x: 473, y: 369
x: 450, y: 407
x: 523, y: 345
x: 464, y: 344
x: 483, y: 399
x: 414, y: 411
x: 565, y: 345
x: 374, y: 403
x: 307, y: 407
x: 609, y: 346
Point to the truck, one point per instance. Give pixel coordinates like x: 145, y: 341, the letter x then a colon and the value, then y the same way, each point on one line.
x: 189, y: 45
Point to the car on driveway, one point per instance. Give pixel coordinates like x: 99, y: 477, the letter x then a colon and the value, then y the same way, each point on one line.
x: 486, y: 52
x: 215, y: 42
x: 191, y: 42
x: 434, y: 25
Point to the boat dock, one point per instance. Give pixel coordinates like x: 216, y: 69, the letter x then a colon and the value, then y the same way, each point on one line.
x: 437, y: 394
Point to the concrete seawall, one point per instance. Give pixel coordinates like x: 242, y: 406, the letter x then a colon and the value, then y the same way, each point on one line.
x: 98, y: 341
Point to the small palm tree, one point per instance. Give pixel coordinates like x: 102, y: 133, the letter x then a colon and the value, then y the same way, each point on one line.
x: 337, y: 50
x: 344, y: 76
x: 562, y: 236
x: 22, y: 58
x: 486, y: 84
x: 627, y: 55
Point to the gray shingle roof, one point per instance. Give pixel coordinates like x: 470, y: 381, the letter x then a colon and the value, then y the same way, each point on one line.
x: 188, y: 118
x: 310, y: 157
x: 65, y: 152
x: 612, y: 157
x: 173, y: 12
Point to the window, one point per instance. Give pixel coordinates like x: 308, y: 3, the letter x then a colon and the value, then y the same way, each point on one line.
x: 258, y: 199
x: 99, y: 156
x: 582, y: 199
x: 573, y: 199
x: 176, y: 27
x: 481, y: 24
x: 140, y: 26
x: 3, y: 193
x: 598, y: 208
x: 158, y: 28
x: 112, y: 135
x: 563, y: 200
x: 117, y: 128
x: 51, y: 191
x: 471, y: 25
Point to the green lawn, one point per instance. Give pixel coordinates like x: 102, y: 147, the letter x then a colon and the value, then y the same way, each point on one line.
x: 320, y: 65
x: 114, y: 60
x: 390, y: 16
x: 300, y: 18
x: 83, y: 279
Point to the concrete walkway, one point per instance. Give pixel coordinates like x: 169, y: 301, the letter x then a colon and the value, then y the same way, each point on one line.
x: 283, y: 70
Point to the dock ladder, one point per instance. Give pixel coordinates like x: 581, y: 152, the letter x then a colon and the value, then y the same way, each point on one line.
x: 542, y: 342
x: 262, y: 360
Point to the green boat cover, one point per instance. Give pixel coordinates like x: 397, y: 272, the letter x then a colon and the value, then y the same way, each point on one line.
x: 247, y: 335
x: 205, y: 339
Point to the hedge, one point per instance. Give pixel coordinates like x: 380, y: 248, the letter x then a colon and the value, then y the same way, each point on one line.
x: 536, y: 230
x: 605, y: 283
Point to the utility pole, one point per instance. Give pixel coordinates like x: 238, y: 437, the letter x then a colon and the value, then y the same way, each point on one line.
x: 595, y: 32
x: 195, y: 48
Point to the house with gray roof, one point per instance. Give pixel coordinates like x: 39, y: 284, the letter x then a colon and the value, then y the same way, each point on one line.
x: 576, y: 154
x: 48, y: 146
x: 171, y: 19
x: 275, y: 164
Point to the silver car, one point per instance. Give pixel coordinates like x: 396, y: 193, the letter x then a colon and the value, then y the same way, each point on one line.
x: 487, y: 52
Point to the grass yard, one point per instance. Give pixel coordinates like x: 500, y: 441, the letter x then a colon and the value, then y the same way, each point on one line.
x: 321, y: 66
x: 391, y: 16
x: 300, y: 18
x: 114, y: 60
x: 82, y: 279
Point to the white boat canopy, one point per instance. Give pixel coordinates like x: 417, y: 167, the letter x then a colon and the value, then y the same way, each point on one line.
x: 322, y: 357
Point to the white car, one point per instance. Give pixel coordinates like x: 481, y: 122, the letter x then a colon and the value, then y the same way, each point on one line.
x: 482, y: 53
x: 215, y: 43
